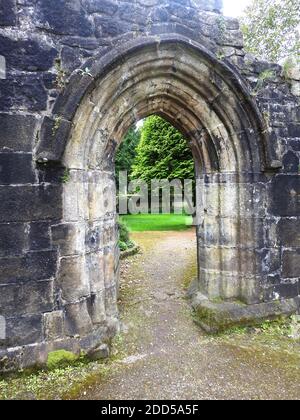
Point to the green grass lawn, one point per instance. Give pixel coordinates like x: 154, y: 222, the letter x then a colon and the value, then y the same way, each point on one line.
x: 157, y: 222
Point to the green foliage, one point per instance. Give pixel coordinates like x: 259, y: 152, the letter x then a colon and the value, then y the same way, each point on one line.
x: 127, y: 151
x: 124, y: 237
x: 263, y: 78
x: 271, y: 29
x: 60, y: 359
x: 123, y: 231
x: 288, y: 67
x: 61, y: 75
x: 162, y: 153
x: 66, y: 176
x: 57, y: 125
x: 122, y: 246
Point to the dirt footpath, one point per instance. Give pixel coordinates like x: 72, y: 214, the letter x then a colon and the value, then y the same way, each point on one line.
x: 162, y: 354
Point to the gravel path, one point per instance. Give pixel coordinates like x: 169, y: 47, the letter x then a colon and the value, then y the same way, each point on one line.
x: 161, y: 354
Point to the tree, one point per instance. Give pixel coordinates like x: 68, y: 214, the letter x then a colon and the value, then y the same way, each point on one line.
x: 271, y: 29
x: 127, y: 151
x: 162, y: 153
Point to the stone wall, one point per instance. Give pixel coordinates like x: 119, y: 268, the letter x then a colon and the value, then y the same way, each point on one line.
x: 66, y: 61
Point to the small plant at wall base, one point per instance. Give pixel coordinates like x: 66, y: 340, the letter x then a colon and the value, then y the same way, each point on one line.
x: 263, y: 78
x: 66, y: 176
x: 61, y: 75
x: 57, y: 125
x: 125, y: 242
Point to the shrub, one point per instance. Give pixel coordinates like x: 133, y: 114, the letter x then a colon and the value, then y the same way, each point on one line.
x: 124, y: 241
x: 124, y: 232
x: 123, y: 246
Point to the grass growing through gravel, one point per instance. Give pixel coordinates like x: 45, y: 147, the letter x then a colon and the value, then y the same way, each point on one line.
x: 157, y: 222
x: 45, y: 385
x: 63, y: 383
x: 282, y: 336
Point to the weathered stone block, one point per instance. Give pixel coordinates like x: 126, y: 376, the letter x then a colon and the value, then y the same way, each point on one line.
x: 73, y: 280
x: 232, y: 260
x: 102, y: 197
x: 28, y: 54
x: 225, y: 198
x: 109, y: 267
x: 39, y: 236
x: 53, y: 139
x: 216, y: 284
x: 216, y: 317
x: 288, y: 231
x: 76, y: 201
x: 106, y: 28
x: 96, y: 306
x: 285, y: 193
x: 13, y: 239
x: 229, y: 231
x: 16, y: 168
x: 23, y: 91
x: 50, y: 172
x: 294, y: 127
x: 69, y: 237
x: 8, y: 13
x: 17, y: 132
x: 291, y: 162
x: 66, y: 18
x: 110, y: 233
x: 34, y: 265
x: 24, y: 330
x: 282, y: 291
x: 30, y: 297
x: 70, y: 59
x: 295, y: 144
x: 291, y: 264
x: 95, y: 237
x: 95, y: 271
x: 67, y: 103
x: 30, y: 203
x: 111, y: 302
x: 34, y: 355
x: 108, y: 7
x: 100, y: 353
x: 78, y: 321
x: 54, y: 325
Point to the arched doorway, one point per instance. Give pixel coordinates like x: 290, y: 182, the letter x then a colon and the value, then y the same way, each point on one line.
x: 205, y: 100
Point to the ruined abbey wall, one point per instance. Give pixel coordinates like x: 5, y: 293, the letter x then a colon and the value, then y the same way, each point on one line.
x: 65, y: 62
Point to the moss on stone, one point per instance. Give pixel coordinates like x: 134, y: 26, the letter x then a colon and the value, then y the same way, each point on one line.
x: 216, y: 320
x: 60, y: 359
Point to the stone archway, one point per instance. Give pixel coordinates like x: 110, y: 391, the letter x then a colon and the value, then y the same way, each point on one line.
x: 208, y: 102
x: 58, y: 284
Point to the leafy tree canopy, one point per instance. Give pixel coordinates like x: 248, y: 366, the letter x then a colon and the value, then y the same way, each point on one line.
x: 127, y: 151
x: 162, y: 153
x: 272, y: 29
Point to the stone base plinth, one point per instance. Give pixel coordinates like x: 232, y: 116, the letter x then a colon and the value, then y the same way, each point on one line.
x: 216, y: 317
x: 34, y: 356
